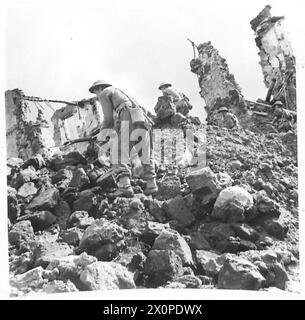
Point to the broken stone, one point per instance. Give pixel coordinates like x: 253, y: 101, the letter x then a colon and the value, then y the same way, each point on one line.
x: 24, y: 176
x: 46, y: 252
x: 268, y: 265
x: 171, y: 240
x: 203, y: 182
x: 62, y: 174
x: 231, y: 204
x: 62, y: 211
x: 245, y: 245
x: 136, y: 218
x: 45, y: 200
x: 80, y: 219
x: 59, y: 286
x: 153, y: 230
x: 276, y: 228
x: 21, y: 263
x: 41, y: 220
x: 198, y: 241
x: 177, y: 210
x: 36, y: 162
x: 132, y: 258
x: 190, y: 281
x: 71, y: 236
x: 21, y: 231
x: 245, y: 232
x: 80, y: 179
x: 156, y: 210
x: 240, y: 274
x: 208, y: 262
x: 26, y: 190
x: 30, y: 280
x: 14, y: 162
x: 162, y: 266
x: 223, y: 181
x: 106, y: 276
x: 12, y: 204
x: 265, y: 205
x: 87, y: 201
x: 169, y: 187
x: 104, y: 236
x: 235, y: 165
x: 206, y: 281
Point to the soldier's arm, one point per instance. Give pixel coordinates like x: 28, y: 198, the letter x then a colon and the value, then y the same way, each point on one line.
x: 107, y: 108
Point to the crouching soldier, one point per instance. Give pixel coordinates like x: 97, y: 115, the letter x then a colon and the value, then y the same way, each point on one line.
x: 125, y: 115
x: 284, y: 119
x: 180, y: 100
x: 227, y: 119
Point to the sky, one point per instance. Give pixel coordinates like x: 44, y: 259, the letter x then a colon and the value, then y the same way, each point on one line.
x: 57, y: 49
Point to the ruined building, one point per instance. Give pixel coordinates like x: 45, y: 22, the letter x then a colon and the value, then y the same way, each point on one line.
x: 276, y: 57
x: 76, y: 121
x: 217, y: 84
x: 30, y: 131
x: 27, y: 133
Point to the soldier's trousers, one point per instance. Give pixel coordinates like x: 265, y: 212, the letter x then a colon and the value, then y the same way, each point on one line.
x: 127, y: 147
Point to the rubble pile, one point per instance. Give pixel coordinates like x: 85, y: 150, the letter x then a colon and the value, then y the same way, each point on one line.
x: 230, y: 225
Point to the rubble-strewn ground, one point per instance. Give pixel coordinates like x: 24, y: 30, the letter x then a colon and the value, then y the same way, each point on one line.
x: 233, y: 224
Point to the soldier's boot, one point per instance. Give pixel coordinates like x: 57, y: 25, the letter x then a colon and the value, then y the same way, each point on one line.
x: 151, y: 187
x: 124, y: 188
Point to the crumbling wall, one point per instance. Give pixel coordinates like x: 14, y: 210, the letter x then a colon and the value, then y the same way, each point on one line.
x: 76, y: 121
x: 218, y: 85
x: 276, y: 56
x: 25, y: 137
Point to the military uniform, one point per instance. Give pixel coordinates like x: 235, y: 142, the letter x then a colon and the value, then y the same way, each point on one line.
x: 180, y: 100
x: 284, y: 119
x: 227, y: 120
x: 118, y: 111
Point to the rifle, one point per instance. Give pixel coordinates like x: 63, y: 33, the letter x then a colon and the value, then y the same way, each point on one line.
x: 92, y: 137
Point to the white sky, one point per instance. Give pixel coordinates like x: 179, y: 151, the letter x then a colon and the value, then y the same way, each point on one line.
x: 57, y: 49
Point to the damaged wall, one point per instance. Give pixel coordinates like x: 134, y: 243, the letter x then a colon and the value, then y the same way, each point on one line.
x: 276, y: 56
x: 73, y: 122
x: 26, y: 134
x: 30, y: 131
x: 218, y: 85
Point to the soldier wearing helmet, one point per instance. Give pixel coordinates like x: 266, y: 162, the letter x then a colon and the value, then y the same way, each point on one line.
x: 130, y: 116
x: 180, y: 100
x: 227, y: 119
x: 283, y: 119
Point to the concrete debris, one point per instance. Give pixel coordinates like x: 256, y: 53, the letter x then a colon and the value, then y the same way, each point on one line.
x: 240, y: 274
x: 106, y: 276
x: 230, y: 224
x: 171, y: 240
x: 162, y: 266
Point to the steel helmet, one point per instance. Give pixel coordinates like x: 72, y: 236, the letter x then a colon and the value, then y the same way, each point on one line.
x: 99, y: 83
x: 164, y: 84
x: 222, y: 109
x: 278, y: 103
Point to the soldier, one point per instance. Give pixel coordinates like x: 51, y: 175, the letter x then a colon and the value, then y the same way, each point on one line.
x: 228, y: 119
x: 180, y: 100
x: 130, y: 116
x: 283, y: 119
